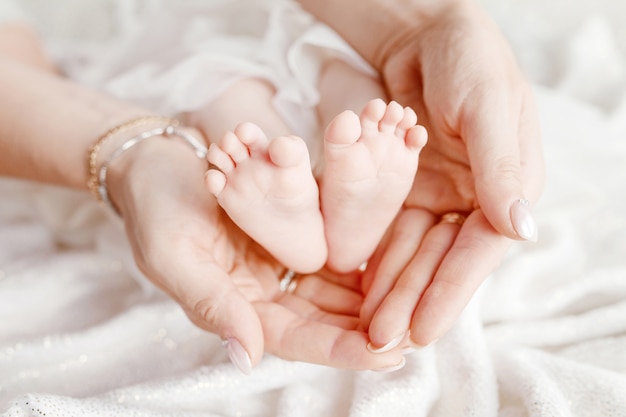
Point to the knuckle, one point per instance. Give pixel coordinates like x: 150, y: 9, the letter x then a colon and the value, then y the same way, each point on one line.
x: 506, y: 167
x: 502, y: 170
x: 207, y: 310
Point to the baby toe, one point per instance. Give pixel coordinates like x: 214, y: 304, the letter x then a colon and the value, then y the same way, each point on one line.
x: 232, y: 145
x: 252, y: 136
x: 372, y: 114
x: 416, y: 137
x: 215, y: 181
x: 288, y: 151
x: 220, y: 159
x: 393, y: 116
x: 344, y: 129
x: 409, y: 119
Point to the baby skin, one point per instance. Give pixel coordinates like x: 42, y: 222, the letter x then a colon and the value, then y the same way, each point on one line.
x: 268, y: 189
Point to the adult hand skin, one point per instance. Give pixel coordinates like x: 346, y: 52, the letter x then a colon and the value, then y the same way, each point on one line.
x: 224, y: 281
x: 181, y: 239
x: 448, y: 61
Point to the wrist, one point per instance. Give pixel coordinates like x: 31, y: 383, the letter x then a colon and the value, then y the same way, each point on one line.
x: 392, y: 22
x: 415, y: 20
x: 166, y: 162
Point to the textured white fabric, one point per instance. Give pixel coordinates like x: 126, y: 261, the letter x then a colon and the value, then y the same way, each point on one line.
x: 81, y: 334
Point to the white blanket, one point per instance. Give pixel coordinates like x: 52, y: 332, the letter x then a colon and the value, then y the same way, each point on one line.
x: 82, y: 334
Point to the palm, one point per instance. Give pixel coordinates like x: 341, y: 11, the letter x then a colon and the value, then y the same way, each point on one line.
x: 444, y: 179
x: 483, y: 153
x: 216, y: 267
x: 446, y: 83
x: 216, y: 242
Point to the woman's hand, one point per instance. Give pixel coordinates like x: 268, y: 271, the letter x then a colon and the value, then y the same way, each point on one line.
x: 223, y: 280
x: 484, y: 160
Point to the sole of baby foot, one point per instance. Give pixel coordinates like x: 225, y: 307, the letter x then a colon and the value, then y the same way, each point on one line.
x: 370, y: 165
x: 267, y: 188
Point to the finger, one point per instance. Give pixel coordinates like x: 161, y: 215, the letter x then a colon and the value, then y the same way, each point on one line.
x: 351, y: 280
x: 490, y: 127
x: 533, y: 170
x: 327, y: 295
x: 373, y: 262
x: 405, y: 238
x: 308, y: 310
x: 531, y: 149
x: 393, y: 317
x: 292, y: 337
x: 212, y: 302
x: 476, y: 252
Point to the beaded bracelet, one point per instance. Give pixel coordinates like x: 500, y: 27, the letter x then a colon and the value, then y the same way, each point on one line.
x: 92, y: 158
x: 171, y: 130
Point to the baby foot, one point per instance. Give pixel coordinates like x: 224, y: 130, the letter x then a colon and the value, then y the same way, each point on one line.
x: 267, y: 188
x: 370, y: 165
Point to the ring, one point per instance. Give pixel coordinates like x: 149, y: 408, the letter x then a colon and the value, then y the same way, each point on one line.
x: 288, y: 281
x: 453, y: 217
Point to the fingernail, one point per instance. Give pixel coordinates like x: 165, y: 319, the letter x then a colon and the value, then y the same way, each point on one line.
x: 409, y: 349
x: 418, y: 346
x: 392, y: 368
x: 415, y: 346
x: 390, y: 345
x: 522, y: 220
x: 238, y: 355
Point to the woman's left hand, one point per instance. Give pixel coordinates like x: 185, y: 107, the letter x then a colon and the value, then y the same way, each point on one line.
x: 224, y: 281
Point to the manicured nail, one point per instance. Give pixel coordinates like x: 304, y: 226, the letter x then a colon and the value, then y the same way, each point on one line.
x: 409, y: 349
x: 523, y: 221
x: 390, y: 345
x: 415, y: 346
x: 238, y: 355
x: 392, y: 368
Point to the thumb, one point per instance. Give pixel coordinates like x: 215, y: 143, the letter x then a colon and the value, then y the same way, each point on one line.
x: 213, y: 303
x: 505, y: 156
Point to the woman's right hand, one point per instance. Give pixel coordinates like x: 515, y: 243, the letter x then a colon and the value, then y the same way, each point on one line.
x: 223, y: 280
x: 448, y: 61
x: 483, y: 162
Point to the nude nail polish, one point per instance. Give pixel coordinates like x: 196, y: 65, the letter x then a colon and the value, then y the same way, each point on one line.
x: 410, y: 349
x: 238, y: 355
x: 392, y: 368
x: 387, y: 347
x: 523, y: 221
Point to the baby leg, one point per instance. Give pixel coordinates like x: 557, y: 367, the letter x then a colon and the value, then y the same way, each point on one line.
x: 248, y: 100
x: 370, y: 162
